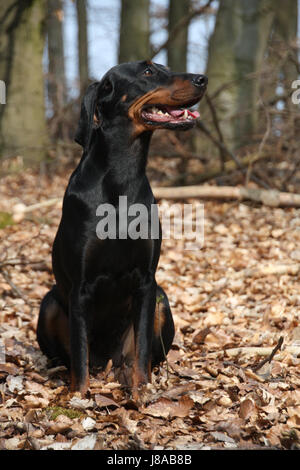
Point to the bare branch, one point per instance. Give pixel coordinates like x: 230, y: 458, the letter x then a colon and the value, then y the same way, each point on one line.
x: 182, y: 23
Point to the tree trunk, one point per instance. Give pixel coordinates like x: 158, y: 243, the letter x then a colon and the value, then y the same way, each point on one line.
x: 83, y: 53
x: 285, y: 35
x: 134, y: 41
x: 235, y: 59
x: 257, y: 18
x: 177, y: 47
x: 56, y: 67
x: 283, y: 62
x: 22, y: 119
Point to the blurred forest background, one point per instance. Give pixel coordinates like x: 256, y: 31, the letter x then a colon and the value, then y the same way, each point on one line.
x: 249, y: 132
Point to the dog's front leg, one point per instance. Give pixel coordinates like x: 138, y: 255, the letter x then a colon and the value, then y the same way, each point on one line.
x: 79, y: 349
x: 143, y: 333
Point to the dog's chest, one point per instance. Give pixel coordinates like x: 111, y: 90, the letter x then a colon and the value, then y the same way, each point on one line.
x: 114, y: 257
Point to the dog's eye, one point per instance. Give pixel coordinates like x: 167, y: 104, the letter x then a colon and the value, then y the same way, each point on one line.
x: 148, y: 72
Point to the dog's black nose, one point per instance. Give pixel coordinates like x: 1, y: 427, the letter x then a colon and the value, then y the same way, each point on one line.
x: 200, y: 81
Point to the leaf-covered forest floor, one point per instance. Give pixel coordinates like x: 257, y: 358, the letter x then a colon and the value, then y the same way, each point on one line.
x: 234, y: 302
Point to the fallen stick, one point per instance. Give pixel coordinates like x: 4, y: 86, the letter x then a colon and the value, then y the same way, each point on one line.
x: 272, y: 198
x: 38, y: 205
x: 253, y: 350
x: 19, y: 210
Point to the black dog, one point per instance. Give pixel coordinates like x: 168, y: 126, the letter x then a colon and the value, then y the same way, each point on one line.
x: 104, y: 304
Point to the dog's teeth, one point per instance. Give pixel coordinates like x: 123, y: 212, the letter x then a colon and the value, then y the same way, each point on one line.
x: 185, y: 115
x: 160, y: 112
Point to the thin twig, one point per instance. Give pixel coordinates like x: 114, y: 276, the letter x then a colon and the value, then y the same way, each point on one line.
x: 262, y: 143
x: 218, y: 129
x: 15, y: 289
x: 237, y: 161
x: 180, y: 148
x: 270, y: 357
x: 184, y: 21
x: 17, y: 261
x: 290, y: 175
x: 214, y: 292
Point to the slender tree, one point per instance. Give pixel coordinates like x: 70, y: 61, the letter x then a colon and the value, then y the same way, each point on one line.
x: 134, y: 43
x: 283, y: 61
x: 83, y: 53
x: 284, y: 40
x: 177, y: 47
x: 56, y: 67
x: 22, y: 119
x: 235, y: 58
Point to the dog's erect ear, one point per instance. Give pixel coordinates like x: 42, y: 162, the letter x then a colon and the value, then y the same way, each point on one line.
x: 88, y: 115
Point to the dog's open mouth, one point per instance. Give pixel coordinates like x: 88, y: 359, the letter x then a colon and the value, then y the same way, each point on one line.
x: 169, y: 114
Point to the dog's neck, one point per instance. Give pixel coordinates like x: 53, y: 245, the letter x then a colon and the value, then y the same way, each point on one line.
x: 119, y: 155
x: 125, y: 153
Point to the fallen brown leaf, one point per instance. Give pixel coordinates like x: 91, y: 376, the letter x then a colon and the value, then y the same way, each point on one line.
x: 166, y: 408
x: 247, y: 408
x: 103, y: 401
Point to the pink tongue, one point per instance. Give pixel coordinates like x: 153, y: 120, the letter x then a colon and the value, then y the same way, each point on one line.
x: 179, y: 112
x: 175, y: 112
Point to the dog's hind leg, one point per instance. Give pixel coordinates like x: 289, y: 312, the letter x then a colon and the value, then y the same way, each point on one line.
x: 53, y: 329
x: 163, y: 333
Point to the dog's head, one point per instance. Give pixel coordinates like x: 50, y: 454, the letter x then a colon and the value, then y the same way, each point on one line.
x: 143, y: 96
